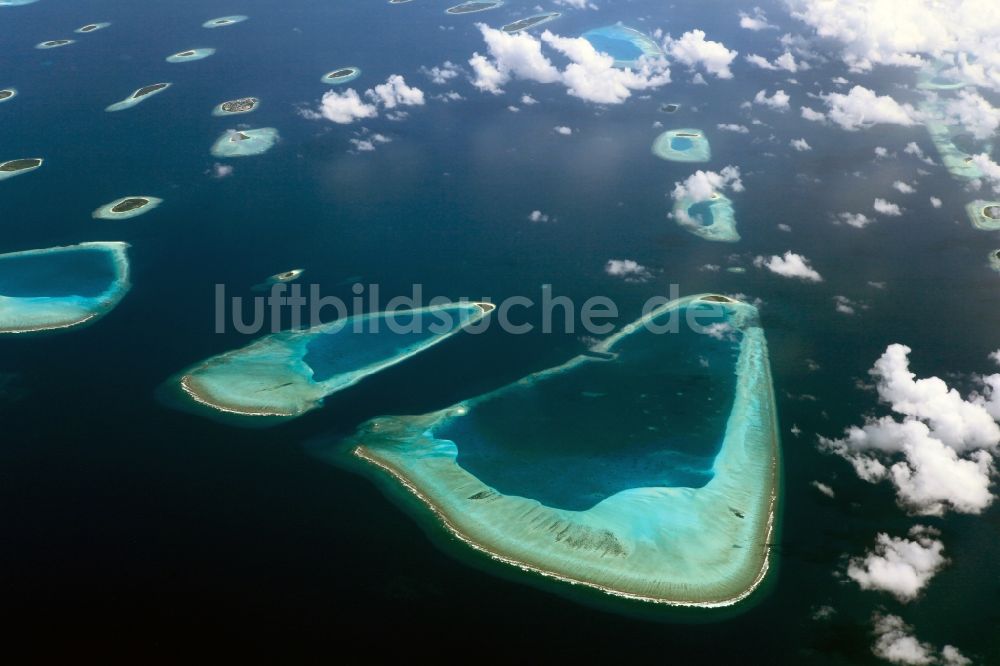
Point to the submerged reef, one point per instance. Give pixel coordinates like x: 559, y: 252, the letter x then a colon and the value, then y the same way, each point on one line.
x: 530, y: 22
x: 341, y: 75
x: 984, y: 215
x: 140, y: 95
x: 242, y: 143
x: 12, y: 168
x: 61, y: 287
x: 223, y: 21
x: 474, y: 6
x: 286, y: 374
x: 126, y: 207
x: 713, y: 219
x: 190, y: 54
x: 236, y: 106
x: 647, y: 468
x: 625, y: 45
x: 683, y: 145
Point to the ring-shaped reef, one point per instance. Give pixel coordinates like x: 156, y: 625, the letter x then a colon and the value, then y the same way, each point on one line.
x: 683, y: 145
x: 647, y: 468
x: 286, y: 374
x: 245, y: 142
x: 530, y: 22
x: 140, y: 95
x: 61, y: 287
x: 341, y: 75
x: 474, y: 6
x: 91, y: 27
x: 626, y: 45
x: 190, y: 55
x: 126, y: 207
x: 984, y: 215
x: 223, y: 21
x: 8, y: 94
x: 932, y: 77
x: 236, y: 106
x: 713, y: 219
x: 12, y: 168
x: 54, y: 43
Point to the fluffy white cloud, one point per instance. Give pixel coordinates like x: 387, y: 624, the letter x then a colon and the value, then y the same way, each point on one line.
x: 895, y: 642
x: 755, y: 22
x: 790, y: 265
x: 221, y: 170
x: 778, y: 101
x: 785, y: 61
x: 538, y: 216
x: 823, y: 488
x: 345, y: 107
x: 937, y: 203
x: 857, y: 220
x: 367, y: 144
x: 894, y: 32
x: 938, y: 455
x: 899, y: 566
x: 905, y: 188
x: 693, y: 50
x: 701, y: 185
x: 562, y: 129
x: 627, y: 269
x: 813, y: 114
x: 732, y: 127
x: 990, y: 169
x: 443, y: 74
x: 886, y: 208
x: 394, y: 92
x: 590, y: 74
x: 861, y: 107
x: 974, y: 113
x: 800, y: 145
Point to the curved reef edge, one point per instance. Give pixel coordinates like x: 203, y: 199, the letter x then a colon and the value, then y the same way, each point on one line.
x: 620, y: 547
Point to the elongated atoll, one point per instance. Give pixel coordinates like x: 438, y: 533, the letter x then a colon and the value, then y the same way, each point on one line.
x: 242, y: 143
x: 341, y: 75
x: 474, y: 6
x: 713, y: 219
x: 236, y: 106
x: 15, y: 3
x: 984, y: 215
x: 530, y: 22
x: 653, y: 486
x: 91, y: 27
x: 286, y: 374
x: 126, y: 207
x: 8, y: 94
x: 946, y: 139
x: 12, y: 168
x: 138, y: 96
x: 54, y: 43
x: 682, y: 145
x: 223, y: 21
x: 190, y: 55
x: 61, y: 287
x: 626, y: 45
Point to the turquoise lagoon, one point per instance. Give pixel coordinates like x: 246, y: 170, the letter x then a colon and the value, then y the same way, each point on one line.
x: 61, y: 287
x: 713, y: 220
x: 683, y: 145
x: 646, y: 468
x: 243, y: 143
x: 625, y: 45
x: 286, y: 374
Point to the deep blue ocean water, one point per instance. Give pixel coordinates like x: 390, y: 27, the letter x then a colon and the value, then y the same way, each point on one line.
x: 130, y: 526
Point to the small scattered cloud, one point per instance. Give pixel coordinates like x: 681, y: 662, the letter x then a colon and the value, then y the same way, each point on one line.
x: 693, y: 50
x: 779, y: 101
x: 756, y: 21
x: 884, y: 207
x: 790, y: 265
x: 800, y: 145
x: 538, y: 216
x: 562, y: 129
x: 628, y: 270
x: 900, y: 566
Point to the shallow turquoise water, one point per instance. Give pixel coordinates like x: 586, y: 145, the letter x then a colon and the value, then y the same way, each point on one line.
x: 681, y: 143
x: 619, y: 49
x: 702, y: 211
x: 84, y: 272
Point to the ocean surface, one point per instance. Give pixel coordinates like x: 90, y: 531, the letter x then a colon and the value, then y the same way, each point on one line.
x: 131, y: 526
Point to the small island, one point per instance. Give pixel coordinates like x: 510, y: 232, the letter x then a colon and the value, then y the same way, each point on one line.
x: 945, y: 136
x: 601, y: 472
x: 15, y: 3
x: 236, y: 106
x: 223, y: 21
x: 279, y: 278
x: 669, y: 108
x: 713, y: 220
x: 474, y: 6
x: 7, y: 94
x: 13, y: 168
x: 341, y: 75
x: 626, y: 45
x: 190, y: 55
x: 126, y: 207
x: 530, y: 22
x: 682, y: 145
x: 984, y: 215
x: 138, y: 96
x: 286, y: 374
x: 61, y: 287
x: 54, y: 43
x: 243, y: 143
x: 91, y: 27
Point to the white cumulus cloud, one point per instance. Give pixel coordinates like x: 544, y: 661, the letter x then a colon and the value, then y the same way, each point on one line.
x: 790, y: 265
x: 900, y: 566
x: 778, y: 101
x: 693, y: 50
x: 861, y: 107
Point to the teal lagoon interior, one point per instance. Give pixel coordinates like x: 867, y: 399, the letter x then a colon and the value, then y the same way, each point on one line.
x: 625, y: 45
x: 84, y: 272
x: 654, y: 415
